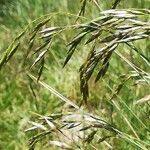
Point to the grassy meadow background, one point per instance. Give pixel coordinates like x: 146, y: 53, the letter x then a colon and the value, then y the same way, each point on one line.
x: 20, y: 96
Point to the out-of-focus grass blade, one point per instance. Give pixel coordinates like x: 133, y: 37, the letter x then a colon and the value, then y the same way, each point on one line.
x: 53, y: 91
x: 20, y: 35
x: 8, y: 54
x: 141, y: 55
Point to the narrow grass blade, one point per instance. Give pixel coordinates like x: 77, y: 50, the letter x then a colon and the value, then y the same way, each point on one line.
x: 53, y: 91
x: 8, y: 54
